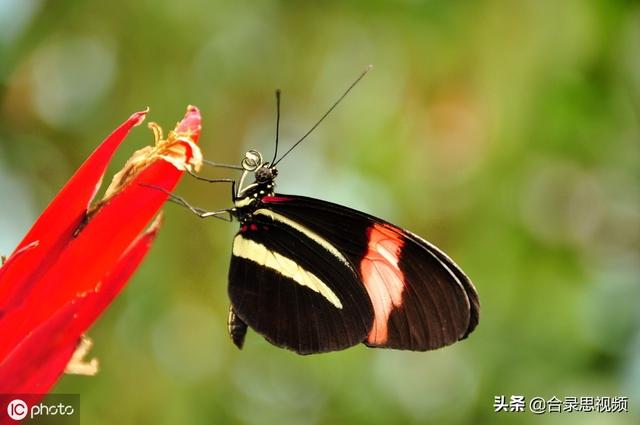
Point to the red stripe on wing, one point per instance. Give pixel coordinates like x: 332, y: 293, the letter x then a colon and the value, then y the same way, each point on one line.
x: 268, y: 199
x: 382, y: 278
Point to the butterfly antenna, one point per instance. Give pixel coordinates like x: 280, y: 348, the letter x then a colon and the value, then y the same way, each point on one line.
x: 357, y: 80
x: 275, y: 154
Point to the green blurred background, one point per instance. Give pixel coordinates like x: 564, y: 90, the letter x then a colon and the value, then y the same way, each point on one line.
x: 508, y: 133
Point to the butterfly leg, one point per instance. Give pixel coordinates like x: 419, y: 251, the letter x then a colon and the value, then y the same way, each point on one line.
x: 202, y: 213
x: 199, y: 211
x: 237, y: 328
x: 204, y: 179
x: 232, y: 181
x: 219, y: 165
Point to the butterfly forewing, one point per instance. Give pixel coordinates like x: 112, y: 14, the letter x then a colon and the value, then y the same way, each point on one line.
x: 296, y: 289
x: 420, y: 298
x: 470, y: 290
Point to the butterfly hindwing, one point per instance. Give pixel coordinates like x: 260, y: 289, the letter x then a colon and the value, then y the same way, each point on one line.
x: 420, y: 297
x: 295, y: 289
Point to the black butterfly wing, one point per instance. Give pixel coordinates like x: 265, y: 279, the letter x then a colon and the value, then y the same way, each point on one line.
x: 421, y: 299
x: 295, y: 289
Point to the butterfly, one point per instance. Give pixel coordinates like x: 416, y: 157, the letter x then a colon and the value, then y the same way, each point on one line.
x: 312, y: 276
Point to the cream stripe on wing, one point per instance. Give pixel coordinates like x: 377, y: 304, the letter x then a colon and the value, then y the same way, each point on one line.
x: 305, y: 231
x: 259, y: 254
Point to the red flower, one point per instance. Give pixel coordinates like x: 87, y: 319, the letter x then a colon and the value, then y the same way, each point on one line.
x: 76, y: 258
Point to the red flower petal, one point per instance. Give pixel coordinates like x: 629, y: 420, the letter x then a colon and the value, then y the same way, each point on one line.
x: 190, y: 123
x: 39, y: 360
x: 56, y: 224
x: 114, y: 282
x: 79, y: 270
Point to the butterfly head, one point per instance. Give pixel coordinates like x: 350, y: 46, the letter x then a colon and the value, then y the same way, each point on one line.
x: 265, y: 174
